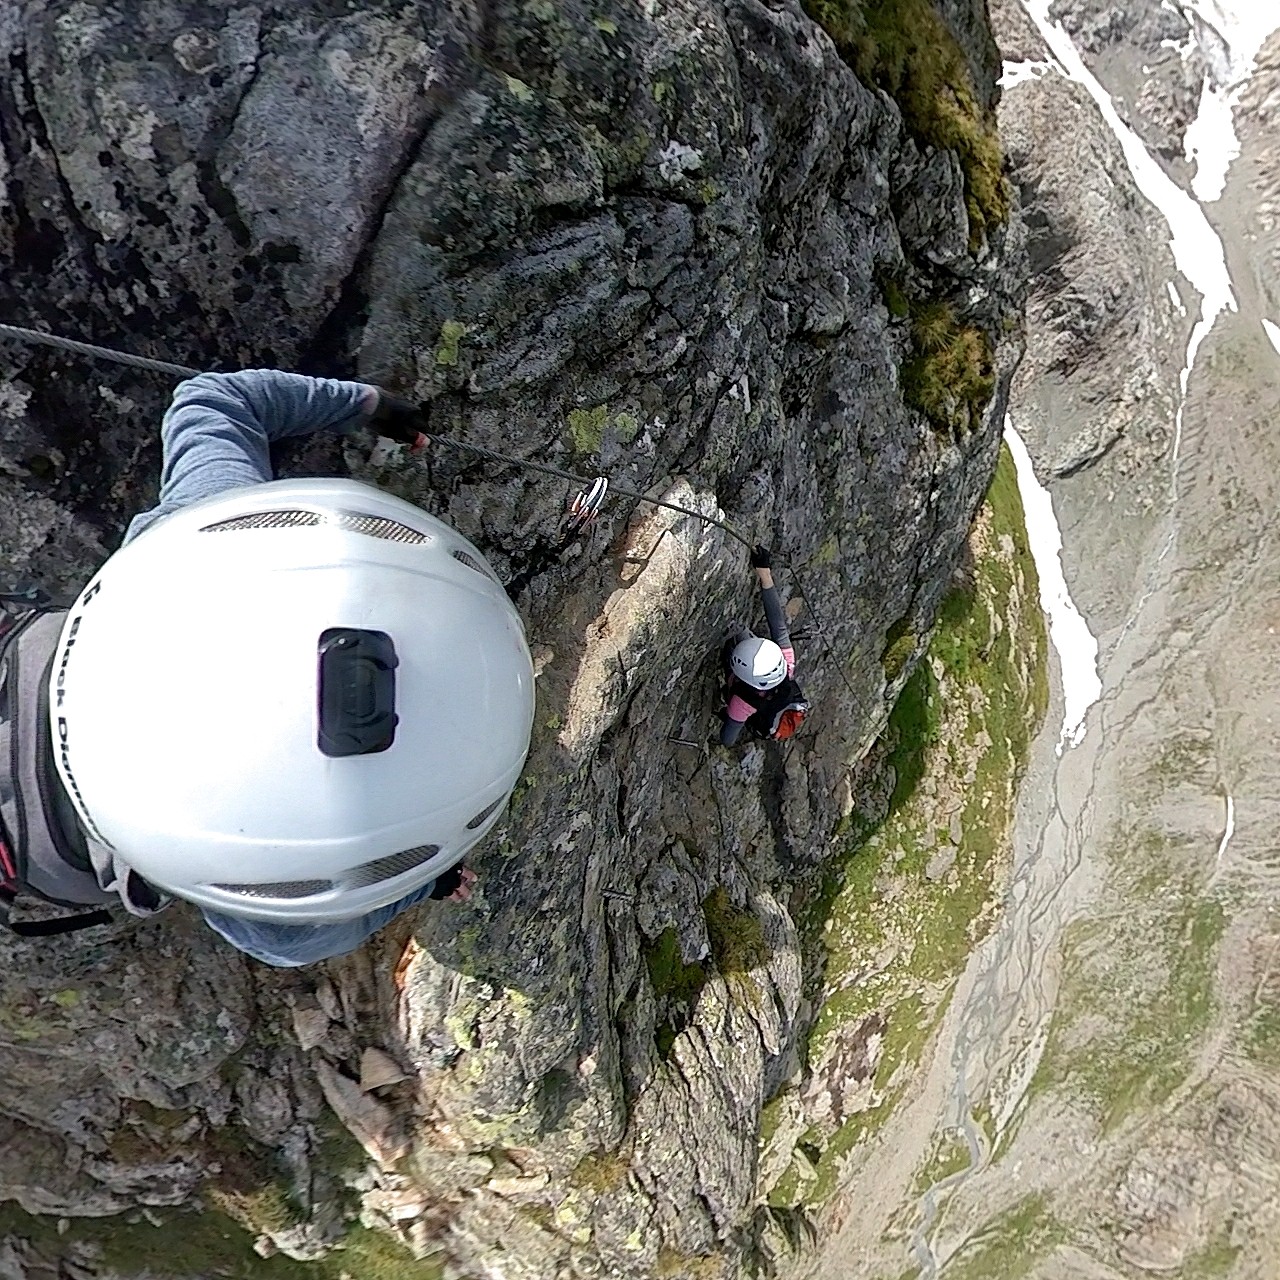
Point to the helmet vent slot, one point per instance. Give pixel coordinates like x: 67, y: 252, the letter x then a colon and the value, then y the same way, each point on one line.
x: 381, y: 527
x: 265, y: 520
x: 393, y: 864
x: 351, y: 521
x: 470, y: 561
x: 279, y: 889
x: 479, y: 819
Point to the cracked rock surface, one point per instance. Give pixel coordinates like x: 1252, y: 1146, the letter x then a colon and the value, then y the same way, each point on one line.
x: 649, y: 240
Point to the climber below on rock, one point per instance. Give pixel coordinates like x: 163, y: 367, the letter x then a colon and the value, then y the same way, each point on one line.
x: 763, y: 698
x: 295, y: 704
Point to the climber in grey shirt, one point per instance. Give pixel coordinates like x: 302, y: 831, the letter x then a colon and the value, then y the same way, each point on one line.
x: 217, y: 435
x: 760, y: 672
x: 219, y: 427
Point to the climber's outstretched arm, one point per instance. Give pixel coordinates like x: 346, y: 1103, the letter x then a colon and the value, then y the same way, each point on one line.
x: 761, y: 562
x: 218, y: 430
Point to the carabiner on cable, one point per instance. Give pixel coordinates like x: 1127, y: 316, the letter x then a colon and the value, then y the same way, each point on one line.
x: 586, y: 506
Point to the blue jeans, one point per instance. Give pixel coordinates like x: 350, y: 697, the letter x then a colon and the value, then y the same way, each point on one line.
x: 289, y: 945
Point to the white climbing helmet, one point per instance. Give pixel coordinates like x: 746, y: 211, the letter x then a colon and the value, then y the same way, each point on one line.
x: 297, y: 701
x: 758, y: 663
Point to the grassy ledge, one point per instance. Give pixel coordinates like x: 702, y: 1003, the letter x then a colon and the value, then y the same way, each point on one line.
x: 1152, y: 968
x: 951, y: 375
x: 247, y: 1199
x: 905, y: 48
x: 908, y: 900
x: 737, y: 946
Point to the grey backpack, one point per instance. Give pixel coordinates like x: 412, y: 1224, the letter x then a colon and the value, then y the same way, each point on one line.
x: 42, y: 848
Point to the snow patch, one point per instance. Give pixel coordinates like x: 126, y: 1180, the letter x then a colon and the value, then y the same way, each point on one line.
x: 1228, y: 830
x: 1016, y: 73
x: 1230, y: 34
x: 1237, y: 30
x: 1210, y: 142
x: 1197, y: 248
x: 1273, y: 332
x: 1068, y: 632
x: 1176, y: 298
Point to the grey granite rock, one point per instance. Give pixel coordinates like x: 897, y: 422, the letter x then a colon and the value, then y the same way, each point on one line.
x: 1099, y: 310
x: 1160, y: 103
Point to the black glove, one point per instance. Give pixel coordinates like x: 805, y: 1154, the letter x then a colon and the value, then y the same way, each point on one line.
x: 400, y: 421
x: 760, y: 558
x: 447, y: 882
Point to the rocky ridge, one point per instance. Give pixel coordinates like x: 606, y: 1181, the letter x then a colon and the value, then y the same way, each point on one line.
x: 1160, y: 103
x: 1098, y: 388
x: 684, y: 244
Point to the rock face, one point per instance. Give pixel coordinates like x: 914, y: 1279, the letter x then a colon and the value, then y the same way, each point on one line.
x: 1160, y: 103
x: 1097, y: 296
x: 652, y: 240
x: 1099, y: 386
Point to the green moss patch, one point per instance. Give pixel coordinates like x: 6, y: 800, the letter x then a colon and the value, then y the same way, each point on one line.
x: 770, y: 1118
x: 372, y: 1255
x: 588, y: 428
x: 677, y: 986
x: 899, y: 648
x: 675, y: 1264
x: 791, y: 1189
x: 905, y: 48
x: 951, y: 375
x: 264, y: 1208
x: 737, y: 947
x: 600, y: 1172
x: 1011, y: 1246
x: 671, y: 978
x: 451, y: 334
x: 737, y: 936
x: 895, y: 296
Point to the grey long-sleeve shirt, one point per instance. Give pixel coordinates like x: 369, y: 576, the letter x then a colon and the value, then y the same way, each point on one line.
x: 217, y: 434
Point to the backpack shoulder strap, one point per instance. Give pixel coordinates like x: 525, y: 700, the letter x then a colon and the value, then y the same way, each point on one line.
x: 9, y: 889
x: 46, y: 928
